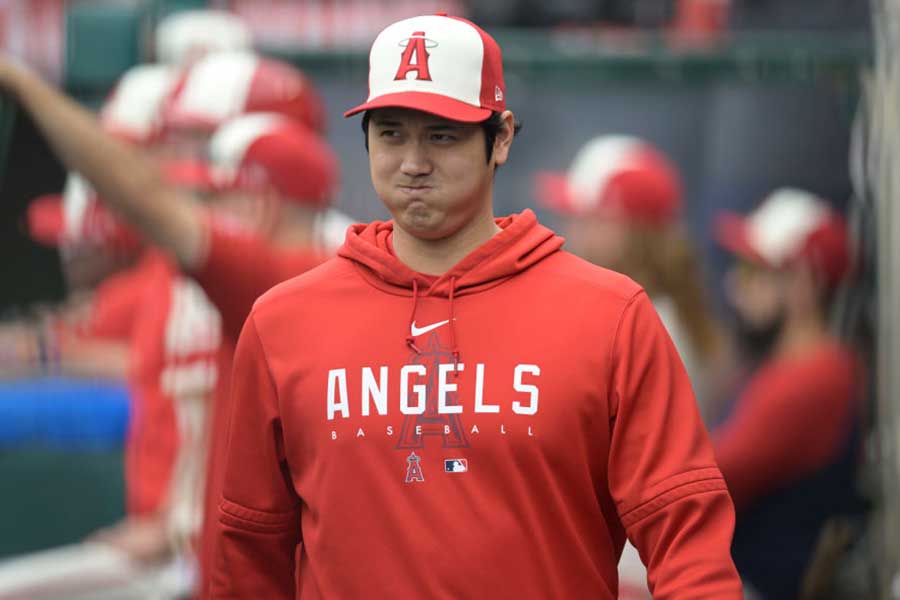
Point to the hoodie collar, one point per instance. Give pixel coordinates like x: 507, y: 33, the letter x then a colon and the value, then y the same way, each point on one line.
x: 521, y: 243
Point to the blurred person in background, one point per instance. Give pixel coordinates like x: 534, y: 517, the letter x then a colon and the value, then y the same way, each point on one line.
x: 87, y: 335
x: 789, y: 448
x: 621, y: 199
x: 222, y: 85
x: 272, y: 177
x: 172, y: 359
x: 170, y: 310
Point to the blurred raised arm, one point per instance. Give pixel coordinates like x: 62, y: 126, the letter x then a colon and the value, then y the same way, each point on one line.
x: 127, y: 180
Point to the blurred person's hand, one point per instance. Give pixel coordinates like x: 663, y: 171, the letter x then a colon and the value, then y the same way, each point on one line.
x: 12, y: 71
x: 129, y: 181
x: 144, y: 539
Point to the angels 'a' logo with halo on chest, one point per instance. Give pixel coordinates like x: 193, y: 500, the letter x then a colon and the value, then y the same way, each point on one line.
x: 414, y: 468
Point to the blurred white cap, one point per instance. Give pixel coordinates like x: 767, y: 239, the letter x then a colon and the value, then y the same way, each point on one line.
x: 132, y: 110
x: 224, y: 85
x: 789, y: 226
x: 185, y: 36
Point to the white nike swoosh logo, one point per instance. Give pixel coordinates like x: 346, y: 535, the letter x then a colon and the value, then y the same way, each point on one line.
x: 417, y: 331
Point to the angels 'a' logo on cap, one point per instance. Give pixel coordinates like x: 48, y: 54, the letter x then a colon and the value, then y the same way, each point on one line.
x: 415, y: 56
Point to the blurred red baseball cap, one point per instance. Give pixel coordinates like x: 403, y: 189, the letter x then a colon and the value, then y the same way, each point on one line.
x: 78, y: 215
x: 615, y: 175
x: 268, y: 150
x: 438, y: 64
x: 223, y: 85
x: 789, y: 226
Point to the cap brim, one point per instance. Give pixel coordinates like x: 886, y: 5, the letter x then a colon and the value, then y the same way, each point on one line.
x: 45, y: 219
x: 435, y: 104
x: 553, y: 192
x: 730, y: 232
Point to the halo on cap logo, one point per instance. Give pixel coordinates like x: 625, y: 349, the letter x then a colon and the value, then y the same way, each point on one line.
x: 415, y: 56
x: 429, y: 43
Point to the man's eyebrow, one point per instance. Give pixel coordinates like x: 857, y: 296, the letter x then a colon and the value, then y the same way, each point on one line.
x: 386, y: 122
x: 446, y: 125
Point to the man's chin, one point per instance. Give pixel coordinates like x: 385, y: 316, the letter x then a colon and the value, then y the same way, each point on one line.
x: 758, y: 340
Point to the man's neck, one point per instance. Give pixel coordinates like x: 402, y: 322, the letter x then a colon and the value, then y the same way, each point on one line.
x: 436, y: 257
x: 296, y: 228
x: 802, y: 333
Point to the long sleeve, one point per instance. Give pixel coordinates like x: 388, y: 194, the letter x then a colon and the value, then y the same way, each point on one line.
x: 804, y: 412
x: 259, y: 520
x: 238, y: 267
x: 669, y: 493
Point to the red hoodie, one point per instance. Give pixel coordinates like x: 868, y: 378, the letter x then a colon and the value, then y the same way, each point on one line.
x: 494, y: 432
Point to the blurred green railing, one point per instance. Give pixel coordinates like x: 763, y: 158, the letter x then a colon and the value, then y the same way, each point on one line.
x: 752, y: 57
x: 104, y: 40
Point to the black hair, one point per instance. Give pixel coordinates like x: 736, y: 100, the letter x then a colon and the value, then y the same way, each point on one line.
x: 490, y: 126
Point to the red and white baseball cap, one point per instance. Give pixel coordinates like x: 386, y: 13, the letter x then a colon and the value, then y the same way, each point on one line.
x: 183, y: 37
x: 267, y: 150
x: 77, y: 217
x: 438, y: 64
x: 132, y: 110
x: 618, y: 176
x: 224, y: 85
x: 790, y: 226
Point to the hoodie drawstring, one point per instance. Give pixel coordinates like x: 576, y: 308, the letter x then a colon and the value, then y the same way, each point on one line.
x: 410, y: 340
x: 453, y: 346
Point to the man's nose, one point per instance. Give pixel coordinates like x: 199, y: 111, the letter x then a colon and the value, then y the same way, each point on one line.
x: 416, y: 161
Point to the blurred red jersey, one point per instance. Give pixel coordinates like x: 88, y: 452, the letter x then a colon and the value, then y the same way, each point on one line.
x: 179, y: 359
x: 238, y: 268
x: 794, y: 417
x: 112, y: 311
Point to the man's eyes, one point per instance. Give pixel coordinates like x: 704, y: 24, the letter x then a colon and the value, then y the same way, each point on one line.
x: 434, y: 136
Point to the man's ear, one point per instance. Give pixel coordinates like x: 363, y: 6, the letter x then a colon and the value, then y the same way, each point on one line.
x: 504, y: 138
x: 270, y: 208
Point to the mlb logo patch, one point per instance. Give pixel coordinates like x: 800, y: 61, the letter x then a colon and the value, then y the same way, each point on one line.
x: 456, y: 465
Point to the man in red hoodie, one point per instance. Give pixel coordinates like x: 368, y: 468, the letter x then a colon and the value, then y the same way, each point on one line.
x: 454, y: 407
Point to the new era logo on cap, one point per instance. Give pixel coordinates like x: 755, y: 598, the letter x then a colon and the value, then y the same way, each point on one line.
x: 443, y: 65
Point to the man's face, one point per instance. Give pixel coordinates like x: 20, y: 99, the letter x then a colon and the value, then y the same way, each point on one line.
x: 758, y: 296
x: 431, y: 173
x: 598, y: 239
x: 254, y: 211
x: 84, y: 264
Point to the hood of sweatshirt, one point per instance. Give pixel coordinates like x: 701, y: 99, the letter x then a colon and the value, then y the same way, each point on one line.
x: 521, y: 243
